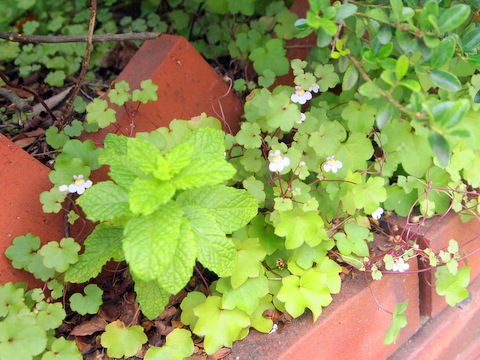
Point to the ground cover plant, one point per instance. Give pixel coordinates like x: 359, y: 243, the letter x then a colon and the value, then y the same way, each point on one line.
x: 235, y: 229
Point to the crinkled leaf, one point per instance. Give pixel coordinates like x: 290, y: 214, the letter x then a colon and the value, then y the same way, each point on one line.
x: 204, y: 171
x: 104, y: 201
x: 232, y: 208
x: 146, y: 195
x: 150, y: 241
x: 151, y: 297
x: 176, y: 276
x: 103, y: 244
x: 214, y: 250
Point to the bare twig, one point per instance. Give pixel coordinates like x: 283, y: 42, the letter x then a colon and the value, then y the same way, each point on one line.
x: 66, y: 111
x: 20, y: 103
x: 30, y: 91
x: 38, y: 39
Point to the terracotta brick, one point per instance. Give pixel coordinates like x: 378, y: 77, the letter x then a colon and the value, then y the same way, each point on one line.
x: 436, y: 233
x: 351, y: 327
x: 452, y: 334
x: 187, y: 86
x: 22, y: 180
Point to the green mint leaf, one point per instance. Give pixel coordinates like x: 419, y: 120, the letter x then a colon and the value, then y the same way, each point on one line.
x: 232, y: 208
x: 59, y: 256
x: 300, y: 227
x: 179, y: 273
x: 220, y: 327
x: 146, y: 195
x: 214, y: 250
x: 104, y: 201
x: 204, y: 172
x: 103, y: 244
x: 21, y: 251
x: 88, y: 304
x: 151, y: 297
x: 144, y: 155
x: 122, y: 341
x: 150, y: 241
x: 179, y: 157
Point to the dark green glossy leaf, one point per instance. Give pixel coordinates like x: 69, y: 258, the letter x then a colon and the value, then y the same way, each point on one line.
x: 401, y: 67
x: 450, y: 115
x: 440, y: 148
x: 474, y: 60
x: 477, y: 97
x: 442, y: 53
x: 453, y: 17
x: 413, y: 85
x: 384, y: 115
x: 471, y: 39
x: 445, y: 80
x: 344, y: 11
x: 461, y: 132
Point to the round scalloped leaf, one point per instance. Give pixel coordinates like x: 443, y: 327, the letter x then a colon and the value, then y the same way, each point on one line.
x: 9, y: 295
x: 21, y: 250
x: 63, y: 349
x: 178, y: 346
x: 60, y: 256
x: 122, y: 341
x: 88, y: 304
x: 50, y: 316
x: 21, y: 338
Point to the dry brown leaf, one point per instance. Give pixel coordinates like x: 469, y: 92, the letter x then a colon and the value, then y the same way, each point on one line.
x: 97, y: 323
x: 177, y: 324
x: 23, y: 143
x: 222, y: 353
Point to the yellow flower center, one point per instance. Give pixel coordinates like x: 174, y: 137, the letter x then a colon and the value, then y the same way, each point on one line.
x: 300, y: 91
x: 79, y: 181
x: 331, y: 161
x: 277, y: 158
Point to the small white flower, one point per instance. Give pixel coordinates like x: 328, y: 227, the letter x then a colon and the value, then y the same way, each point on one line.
x: 377, y: 214
x: 314, y: 88
x: 79, y: 185
x: 63, y: 189
x: 278, y: 163
x: 302, y: 118
x: 332, y: 164
x: 300, y: 96
x: 400, y: 265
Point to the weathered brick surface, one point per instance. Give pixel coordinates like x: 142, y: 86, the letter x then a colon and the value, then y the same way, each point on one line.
x: 452, y: 334
x: 352, y: 327
x: 187, y: 86
x: 22, y: 179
